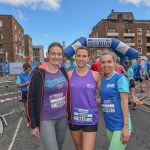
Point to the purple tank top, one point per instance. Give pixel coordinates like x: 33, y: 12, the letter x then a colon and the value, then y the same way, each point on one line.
x: 54, y: 100
x: 84, y: 105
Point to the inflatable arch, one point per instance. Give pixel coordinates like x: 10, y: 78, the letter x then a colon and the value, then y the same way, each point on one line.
x: 119, y: 48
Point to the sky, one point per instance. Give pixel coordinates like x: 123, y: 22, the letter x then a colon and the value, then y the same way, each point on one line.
x: 48, y: 21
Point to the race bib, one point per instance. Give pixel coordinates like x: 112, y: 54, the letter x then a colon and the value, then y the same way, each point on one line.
x: 57, y: 101
x: 83, y: 115
x: 108, y: 107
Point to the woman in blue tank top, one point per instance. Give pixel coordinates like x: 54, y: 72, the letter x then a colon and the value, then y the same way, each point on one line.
x: 84, y: 111
x: 114, y: 98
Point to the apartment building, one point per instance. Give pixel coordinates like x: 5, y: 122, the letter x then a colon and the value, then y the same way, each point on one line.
x: 123, y: 26
x: 38, y: 53
x: 28, y: 47
x: 11, y: 40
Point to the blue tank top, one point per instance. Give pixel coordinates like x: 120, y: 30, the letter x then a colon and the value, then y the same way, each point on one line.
x: 84, y: 105
x: 54, y: 100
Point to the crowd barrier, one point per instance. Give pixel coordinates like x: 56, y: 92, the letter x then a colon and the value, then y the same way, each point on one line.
x: 7, y: 99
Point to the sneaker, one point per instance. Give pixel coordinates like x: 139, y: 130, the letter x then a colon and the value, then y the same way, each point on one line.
x: 134, y: 106
x: 138, y: 102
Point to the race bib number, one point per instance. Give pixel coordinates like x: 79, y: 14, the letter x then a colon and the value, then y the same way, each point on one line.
x: 83, y: 115
x: 109, y: 108
x: 57, y: 101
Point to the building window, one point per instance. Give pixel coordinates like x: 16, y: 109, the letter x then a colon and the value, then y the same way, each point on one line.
x: 128, y: 40
x: 15, y: 27
x: 148, y: 49
x: 128, y: 30
x: 140, y: 50
x: 1, y: 23
x: 111, y: 31
x: 139, y: 40
x: 96, y: 34
x: 148, y: 31
x: 148, y: 40
x: 139, y: 31
x: 1, y: 35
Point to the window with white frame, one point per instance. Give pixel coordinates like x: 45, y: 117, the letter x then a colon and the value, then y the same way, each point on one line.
x: 1, y: 23
x: 139, y: 40
x: 140, y: 50
x: 139, y: 31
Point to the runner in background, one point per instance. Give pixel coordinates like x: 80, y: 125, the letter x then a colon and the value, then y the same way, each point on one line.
x: 22, y: 82
x: 130, y: 77
x: 138, y: 73
x: 119, y: 68
x: 83, y: 85
x: 114, y: 98
x: 96, y: 66
x: 148, y: 76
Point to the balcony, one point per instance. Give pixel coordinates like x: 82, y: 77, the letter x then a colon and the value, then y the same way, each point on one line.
x: 129, y: 34
x: 148, y: 53
x: 147, y: 44
x: 147, y: 34
x: 112, y: 34
x: 130, y: 44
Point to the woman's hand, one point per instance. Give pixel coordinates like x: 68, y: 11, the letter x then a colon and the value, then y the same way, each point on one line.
x: 35, y: 132
x: 125, y: 135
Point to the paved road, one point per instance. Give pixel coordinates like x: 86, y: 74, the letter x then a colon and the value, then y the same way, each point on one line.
x: 24, y: 141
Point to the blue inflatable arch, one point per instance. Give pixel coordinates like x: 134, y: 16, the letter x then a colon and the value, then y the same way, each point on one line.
x: 119, y: 48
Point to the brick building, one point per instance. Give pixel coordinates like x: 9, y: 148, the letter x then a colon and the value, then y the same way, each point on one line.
x: 28, y: 46
x: 11, y: 40
x: 123, y: 26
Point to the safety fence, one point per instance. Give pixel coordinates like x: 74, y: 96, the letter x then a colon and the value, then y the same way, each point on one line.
x: 8, y: 99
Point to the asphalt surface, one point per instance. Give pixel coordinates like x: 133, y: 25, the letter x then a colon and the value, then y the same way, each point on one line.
x: 19, y: 137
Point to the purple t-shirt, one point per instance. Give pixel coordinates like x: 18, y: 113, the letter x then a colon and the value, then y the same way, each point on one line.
x: 54, y: 100
x: 84, y: 105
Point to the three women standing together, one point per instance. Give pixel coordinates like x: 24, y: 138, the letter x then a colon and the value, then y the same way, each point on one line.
x: 53, y: 95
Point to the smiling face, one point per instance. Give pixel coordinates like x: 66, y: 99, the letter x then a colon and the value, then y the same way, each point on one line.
x: 108, y: 64
x: 81, y: 58
x: 55, y: 55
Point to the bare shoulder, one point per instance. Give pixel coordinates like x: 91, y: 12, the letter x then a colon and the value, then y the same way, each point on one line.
x: 69, y: 74
x: 96, y: 75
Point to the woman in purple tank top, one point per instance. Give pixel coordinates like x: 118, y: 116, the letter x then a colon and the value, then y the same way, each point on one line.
x: 84, y: 112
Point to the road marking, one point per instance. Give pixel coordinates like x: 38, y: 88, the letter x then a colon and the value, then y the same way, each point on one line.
x: 15, y: 134
x: 144, y: 108
x: 8, y: 99
x: 9, y: 93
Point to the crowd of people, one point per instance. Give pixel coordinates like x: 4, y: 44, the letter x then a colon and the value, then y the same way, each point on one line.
x: 61, y: 95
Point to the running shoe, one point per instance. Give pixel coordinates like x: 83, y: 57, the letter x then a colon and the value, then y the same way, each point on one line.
x: 138, y: 102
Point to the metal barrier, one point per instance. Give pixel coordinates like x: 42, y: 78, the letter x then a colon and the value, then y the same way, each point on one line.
x: 7, y: 97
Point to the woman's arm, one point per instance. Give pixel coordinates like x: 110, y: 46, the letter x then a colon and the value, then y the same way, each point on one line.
x: 125, y: 135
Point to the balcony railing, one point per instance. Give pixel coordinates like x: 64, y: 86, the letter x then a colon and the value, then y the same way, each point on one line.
x: 130, y: 44
x: 112, y: 34
x: 129, y: 34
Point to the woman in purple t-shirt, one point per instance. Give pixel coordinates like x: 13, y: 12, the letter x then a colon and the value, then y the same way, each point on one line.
x: 47, y: 99
x: 84, y: 112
